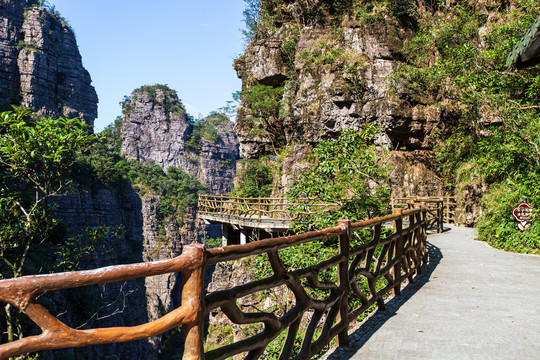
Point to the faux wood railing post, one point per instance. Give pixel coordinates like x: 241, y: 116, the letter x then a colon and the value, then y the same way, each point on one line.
x: 344, y: 282
x: 422, y: 248
x: 412, y: 241
x: 440, y: 215
x: 398, y: 250
x: 447, y: 208
x: 193, y: 294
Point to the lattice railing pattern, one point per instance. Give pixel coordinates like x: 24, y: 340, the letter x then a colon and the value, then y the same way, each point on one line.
x: 382, y: 263
x: 440, y: 209
x: 391, y: 258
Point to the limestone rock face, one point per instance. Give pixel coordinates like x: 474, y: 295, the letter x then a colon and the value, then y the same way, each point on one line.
x: 161, y: 242
x: 124, y: 303
x: 156, y: 127
x: 413, y: 173
x: 340, y: 77
x: 40, y: 64
x: 11, y: 19
x: 324, y: 97
x: 148, y: 237
x: 147, y: 132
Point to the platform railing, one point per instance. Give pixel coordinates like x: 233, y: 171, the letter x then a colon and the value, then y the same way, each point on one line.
x: 368, y: 270
x: 234, y: 209
x: 441, y: 209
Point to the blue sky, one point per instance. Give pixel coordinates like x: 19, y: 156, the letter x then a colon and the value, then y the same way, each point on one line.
x: 189, y: 45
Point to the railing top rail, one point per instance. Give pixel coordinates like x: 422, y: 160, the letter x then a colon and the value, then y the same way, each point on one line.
x: 68, y: 280
x: 284, y: 200
x: 383, y: 219
x: 420, y: 198
x: 234, y: 252
x: 21, y: 292
x: 208, y: 196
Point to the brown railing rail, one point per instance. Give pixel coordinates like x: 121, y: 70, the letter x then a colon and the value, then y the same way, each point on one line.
x: 441, y: 209
x: 367, y: 273
x: 21, y: 292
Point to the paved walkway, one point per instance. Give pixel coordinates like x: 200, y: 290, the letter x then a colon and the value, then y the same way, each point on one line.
x: 473, y: 302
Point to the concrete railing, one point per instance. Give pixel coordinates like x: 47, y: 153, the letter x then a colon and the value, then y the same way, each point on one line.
x: 366, y: 273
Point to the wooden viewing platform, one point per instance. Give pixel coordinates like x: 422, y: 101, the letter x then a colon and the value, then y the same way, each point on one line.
x: 263, y: 213
x: 269, y: 214
x: 240, y: 216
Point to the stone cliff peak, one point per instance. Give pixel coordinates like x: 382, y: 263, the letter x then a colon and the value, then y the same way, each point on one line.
x: 156, y: 127
x: 40, y: 64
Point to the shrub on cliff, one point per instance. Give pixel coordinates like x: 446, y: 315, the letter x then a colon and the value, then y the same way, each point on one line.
x: 262, y: 110
x: 497, y: 133
x: 205, y: 129
x: 349, y: 172
x: 254, y: 179
x: 36, y: 158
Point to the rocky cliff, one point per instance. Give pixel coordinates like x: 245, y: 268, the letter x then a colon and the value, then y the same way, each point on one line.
x: 40, y: 64
x: 145, y: 235
x: 41, y: 68
x: 117, y: 304
x: 335, y: 68
x: 156, y: 127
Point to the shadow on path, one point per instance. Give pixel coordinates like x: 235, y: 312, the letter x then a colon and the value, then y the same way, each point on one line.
x: 360, y: 336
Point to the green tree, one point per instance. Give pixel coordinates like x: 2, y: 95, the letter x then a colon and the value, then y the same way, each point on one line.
x: 36, y: 157
x: 349, y: 172
x: 262, y: 105
x: 254, y: 179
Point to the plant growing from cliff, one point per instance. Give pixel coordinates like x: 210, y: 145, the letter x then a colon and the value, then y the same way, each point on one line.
x: 254, y: 179
x: 262, y: 106
x: 349, y: 173
x: 29, y: 46
x: 323, y: 53
x: 36, y: 157
x: 258, y: 19
x: 75, y: 249
x: 370, y: 11
x: 206, y: 129
x: 288, y: 45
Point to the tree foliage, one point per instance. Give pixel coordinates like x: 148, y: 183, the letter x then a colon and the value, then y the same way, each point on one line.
x: 263, y: 107
x: 254, y: 179
x: 350, y: 172
x: 36, y: 157
x: 206, y: 129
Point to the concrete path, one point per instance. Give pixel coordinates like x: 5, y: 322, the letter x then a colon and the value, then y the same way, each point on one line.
x: 473, y: 302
